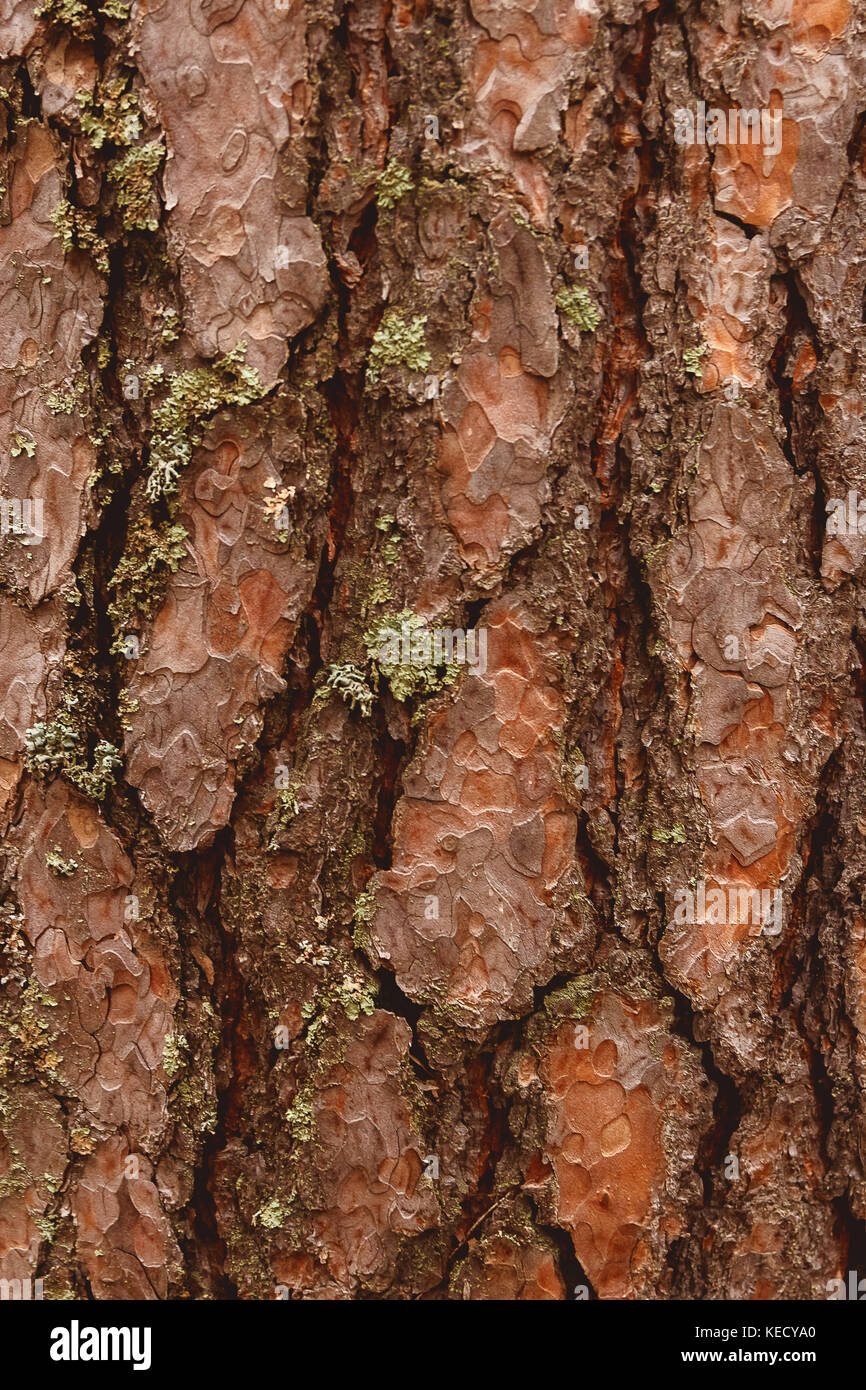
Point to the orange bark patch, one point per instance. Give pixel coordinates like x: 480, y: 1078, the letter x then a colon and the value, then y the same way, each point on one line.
x: 605, y: 1138
x: 753, y: 186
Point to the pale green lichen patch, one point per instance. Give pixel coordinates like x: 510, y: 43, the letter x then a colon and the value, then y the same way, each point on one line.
x: 574, y: 1000
x: 63, y: 868
x: 152, y: 554
x: 393, y: 184
x: 692, y: 359
x: 300, y: 1117
x: 61, y: 744
x: 675, y: 836
x: 28, y: 1035
x: 364, y: 909
x: 272, y: 1214
x: 393, y: 539
x: 401, y: 648
x: 171, y: 325
x: 172, y: 1059
x: 112, y: 115
x: 193, y: 396
x: 76, y: 230
x: 22, y: 444
x: 349, y: 683
x: 135, y: 177
x: 575, y: 303
x: 357, y: 994
x: 61, y: 402
x: 57, y: 747
x: 363, y: 912
x: 398, y: 342
x: 69, y: 14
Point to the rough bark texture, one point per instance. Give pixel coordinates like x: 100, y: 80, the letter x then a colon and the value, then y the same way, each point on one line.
x: 330, y: 976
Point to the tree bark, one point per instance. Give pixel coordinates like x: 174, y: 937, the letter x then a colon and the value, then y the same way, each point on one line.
x: 336, y: 965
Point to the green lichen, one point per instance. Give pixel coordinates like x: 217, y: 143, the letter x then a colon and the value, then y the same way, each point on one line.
x: 365, y: 906
x: 64, y: 868
x: 82, y: 1140
x: 575, y: 303
x: 357, y: 994
x: 674, y: 836
x: 135, y: 177
x: 170, y: 326
x: 69, y: 14
x: 152, y: 554
x: 393, y: 184
x: 47, y: 1226
x: 350, y: 684
x: 397, y: 342
x: 172, y: 1060
x: 116, y: 9
x: 363, y: 912
x: 386, y: 649
x: 27, y: 1036
x: 61, y: 402
x: 151, y: 377
x: 59, y: 746
x: 692, y: 359
x: 272, y: 1214
x: 193, y: 1102
x: 380, y: 591
x: 77, y: 230
x: 300, y: 1116
x: 193, y: 396
x: 574, y: 1000
x: 286, y: 807
x: 22, y: 444
x: 111, y: 115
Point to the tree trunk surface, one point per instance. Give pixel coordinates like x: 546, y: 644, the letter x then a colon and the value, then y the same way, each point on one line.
x: 431, y: 610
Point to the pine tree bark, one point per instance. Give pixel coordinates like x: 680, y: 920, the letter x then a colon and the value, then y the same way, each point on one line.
x: 331, y: 970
